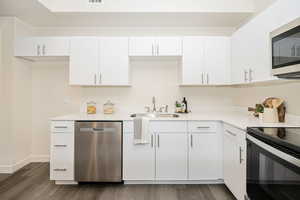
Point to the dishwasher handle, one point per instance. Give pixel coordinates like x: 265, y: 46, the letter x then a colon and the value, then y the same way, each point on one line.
x: 96, y: 130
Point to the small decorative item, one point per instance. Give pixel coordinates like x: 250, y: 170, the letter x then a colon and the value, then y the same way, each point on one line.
x: 179, y: 107
x: 108, y: 107
x: 91, y: 107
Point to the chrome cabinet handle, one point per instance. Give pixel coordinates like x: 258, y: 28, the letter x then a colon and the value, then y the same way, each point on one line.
x: 241, y: 159
x: 191, y: 140
x: 245, y: 75
x: 207, y: 78
x: 60, y: 145
x: 44, y: 50
x: 152, y: 50
x: 202, y: 77
x: 202, y: 127
x: 95, y: 79
x: 38, y: 50
x: 157, y: 50
x: 152, y: 141
x: 250, y: 75
x: 231, y: 133
x: 158, y: 141
x: 100, y: 78
x: 60, y: 170
x: 60, y: 127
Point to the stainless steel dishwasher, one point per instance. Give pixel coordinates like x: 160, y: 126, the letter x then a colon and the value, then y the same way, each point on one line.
x: 98, y: 151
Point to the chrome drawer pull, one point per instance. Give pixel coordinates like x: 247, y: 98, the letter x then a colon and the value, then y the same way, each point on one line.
x: 60, y: 170
x: 241, y: 159
x: 60, y: 127
x: 60, y: 145
x: 231, y: 133
x: 202, y: 127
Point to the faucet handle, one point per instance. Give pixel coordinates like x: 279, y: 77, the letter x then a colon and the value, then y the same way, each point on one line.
x: 147, y: 108
x: 164, y: 108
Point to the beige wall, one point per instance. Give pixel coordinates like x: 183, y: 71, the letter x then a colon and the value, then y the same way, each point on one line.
x: 52, y: 96
x: 249, y: 96
x: 15, y: 100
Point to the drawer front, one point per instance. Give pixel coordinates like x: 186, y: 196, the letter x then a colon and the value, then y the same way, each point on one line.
x: 234, y: 133
x: 62, y: 127
x: 62, y: 156
x: 169, y: 126
x: 202, y: 126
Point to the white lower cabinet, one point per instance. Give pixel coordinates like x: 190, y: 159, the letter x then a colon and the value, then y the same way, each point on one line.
x: 171, y: 156
x: 205, y: 159
x: 62, y: 152
x: 234, y: 161
x: 138, y: 160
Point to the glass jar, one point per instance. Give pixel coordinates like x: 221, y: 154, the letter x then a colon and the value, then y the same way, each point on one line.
x: 108, y: 107
x: 91, y: 107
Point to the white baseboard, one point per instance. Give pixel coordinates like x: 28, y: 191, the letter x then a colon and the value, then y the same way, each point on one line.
x: 66, y: 183
x: 6, y: 169
x: 174, y: 182
x: 39, y: 158
x: 9, y: 169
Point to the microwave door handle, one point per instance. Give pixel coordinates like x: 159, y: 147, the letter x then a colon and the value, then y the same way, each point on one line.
x: 284, y: 156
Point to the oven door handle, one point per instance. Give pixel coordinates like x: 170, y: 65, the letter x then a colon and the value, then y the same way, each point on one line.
x: 276, y: 152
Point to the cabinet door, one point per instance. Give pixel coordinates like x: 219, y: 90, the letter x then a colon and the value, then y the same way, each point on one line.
x: 54, y: 46
x: 114, y: 61
x: 171, y: 156
x: 230, y: 163
x: 141, y: 46
x: 193, y: 60
x: 205, y: 159
x: 217, y: 60
x: 169, y: 46
x: 27, y: 47
x: 138, y: 160
x: 83, y: 61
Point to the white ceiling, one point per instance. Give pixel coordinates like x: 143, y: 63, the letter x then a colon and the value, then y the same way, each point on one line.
x: 34, y: 13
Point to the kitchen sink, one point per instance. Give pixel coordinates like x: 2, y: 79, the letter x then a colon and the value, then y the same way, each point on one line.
x: 155, y: 115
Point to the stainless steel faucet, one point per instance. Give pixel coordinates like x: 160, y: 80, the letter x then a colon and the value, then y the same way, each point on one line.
x: 154, y: 105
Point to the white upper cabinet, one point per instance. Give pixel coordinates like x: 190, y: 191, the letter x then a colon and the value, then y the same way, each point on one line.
x: 114, y: 61
x: 206, y: 60
x: 99, y: 61
x: 193, y: 61
x: 141, y: 46
x: 217, y: 60
x: 169, y: 46
x: 42, y: 46
x: 84, y: 61
x: 152, y: 46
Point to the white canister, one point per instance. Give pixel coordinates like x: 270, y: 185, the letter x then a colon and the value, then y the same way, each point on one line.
x: 270, y: 115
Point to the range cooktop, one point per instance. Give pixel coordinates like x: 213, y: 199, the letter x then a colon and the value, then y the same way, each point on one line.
x: 283, y: 138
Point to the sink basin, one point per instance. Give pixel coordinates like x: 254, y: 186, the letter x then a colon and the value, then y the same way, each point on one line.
x: 155, y: 115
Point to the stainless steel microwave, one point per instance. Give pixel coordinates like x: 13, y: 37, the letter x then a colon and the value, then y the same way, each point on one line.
x: 286, y: 53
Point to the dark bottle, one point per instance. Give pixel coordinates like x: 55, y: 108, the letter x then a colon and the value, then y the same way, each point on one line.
x: 185, y: 105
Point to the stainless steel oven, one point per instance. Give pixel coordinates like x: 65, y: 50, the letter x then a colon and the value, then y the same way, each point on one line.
x: 273, y: 164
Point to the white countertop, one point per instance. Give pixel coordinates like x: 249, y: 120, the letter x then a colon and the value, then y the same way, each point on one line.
x: 239, y: 119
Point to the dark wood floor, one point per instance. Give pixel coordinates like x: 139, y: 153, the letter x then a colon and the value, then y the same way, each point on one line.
x: 32, y: 183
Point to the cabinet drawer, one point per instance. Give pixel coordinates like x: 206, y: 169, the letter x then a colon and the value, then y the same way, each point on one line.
x: 169, y: 126
x: 62, y: 156
x: 202, y: 126
x: 236, y: 134
x: 62, y: 127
